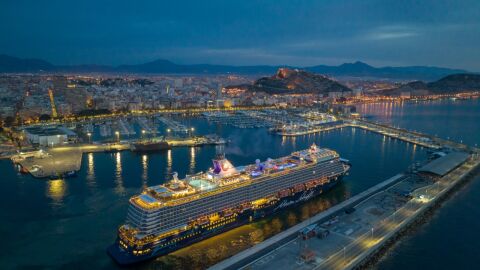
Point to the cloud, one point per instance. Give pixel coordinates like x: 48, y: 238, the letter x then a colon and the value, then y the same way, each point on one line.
x: 393, y: 32
x: 381, y: 36
x: 251, y: 52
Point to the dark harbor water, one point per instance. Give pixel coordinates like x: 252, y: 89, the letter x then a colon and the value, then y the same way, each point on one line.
x: 457, y: 120
x: 67, y: 224
x: 450, y: 239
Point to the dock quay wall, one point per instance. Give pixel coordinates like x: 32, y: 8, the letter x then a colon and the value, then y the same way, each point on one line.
x: 241, y: 259
x: 366, y: 259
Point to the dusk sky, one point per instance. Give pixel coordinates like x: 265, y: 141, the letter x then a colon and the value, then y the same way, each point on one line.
x: 379, y: 32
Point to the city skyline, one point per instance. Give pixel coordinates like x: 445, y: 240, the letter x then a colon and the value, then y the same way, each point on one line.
x: 226, y: 135
x: 300, y: 33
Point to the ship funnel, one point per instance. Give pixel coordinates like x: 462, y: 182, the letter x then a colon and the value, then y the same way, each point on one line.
x: 223, y: 167
x: 258, y: 165
x: 175, y: 176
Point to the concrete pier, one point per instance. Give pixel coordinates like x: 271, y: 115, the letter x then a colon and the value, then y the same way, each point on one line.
x: 397, y: 133
x: 313, y: 130
x: 380, y: 213
x: 401, y: 134
x: 56, y: 161
x: 287, y: 236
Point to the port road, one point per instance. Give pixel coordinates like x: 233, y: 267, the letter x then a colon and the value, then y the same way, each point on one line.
x: 354, y: 237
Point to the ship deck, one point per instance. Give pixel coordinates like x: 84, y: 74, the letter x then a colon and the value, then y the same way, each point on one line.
x: 208, y: 188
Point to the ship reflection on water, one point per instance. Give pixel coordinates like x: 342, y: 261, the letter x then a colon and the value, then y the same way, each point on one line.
x: 215, y: 249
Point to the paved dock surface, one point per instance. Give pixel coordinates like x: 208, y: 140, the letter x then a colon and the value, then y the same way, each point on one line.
x: 397, y: 133
x: 290, y: 234
x: 343, y: 229
x: 353, y: 237
x: 55, y: 162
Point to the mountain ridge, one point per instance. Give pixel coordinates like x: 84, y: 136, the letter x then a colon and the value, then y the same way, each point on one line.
x: 449, y: 84
x: 10, y: 64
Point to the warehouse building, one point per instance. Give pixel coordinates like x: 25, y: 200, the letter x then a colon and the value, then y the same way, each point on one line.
x: 50, y: 136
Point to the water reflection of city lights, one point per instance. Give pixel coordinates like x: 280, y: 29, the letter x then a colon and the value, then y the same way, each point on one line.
x: 145, y: 169
x: 169, y: 161
x: 118, y: 163
x: 118, y: 173
x: 192, y: 160
x: 91, y: 169
x: 56, y: 189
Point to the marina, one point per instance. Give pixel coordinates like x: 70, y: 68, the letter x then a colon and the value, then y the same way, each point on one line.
x: 126, y: 166
x: 240, y: 119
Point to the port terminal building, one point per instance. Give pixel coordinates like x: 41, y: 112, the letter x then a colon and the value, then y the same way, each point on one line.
x: 444, y: 164
x: 50, y: 136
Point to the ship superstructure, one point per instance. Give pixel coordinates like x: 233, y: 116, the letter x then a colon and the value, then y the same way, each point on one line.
x: 166, y: 217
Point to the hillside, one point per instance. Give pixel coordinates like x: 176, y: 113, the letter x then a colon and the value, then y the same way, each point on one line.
x: 13, y: 64
x: 292, y: 81
x: 449, y: 84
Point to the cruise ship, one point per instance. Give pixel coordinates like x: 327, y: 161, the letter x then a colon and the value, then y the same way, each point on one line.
x: 167, y: 217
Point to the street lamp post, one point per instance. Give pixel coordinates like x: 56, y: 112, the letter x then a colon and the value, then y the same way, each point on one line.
x: 117, y: 134
x: 143, y: 133
x: 89, y: 137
